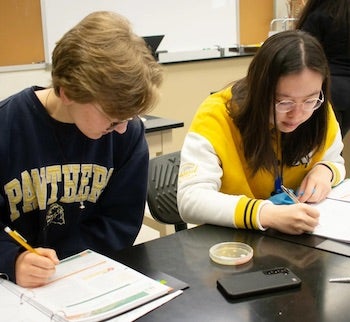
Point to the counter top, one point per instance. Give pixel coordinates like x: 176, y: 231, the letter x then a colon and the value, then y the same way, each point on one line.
x: 231, y: 54
x: 155, y: 123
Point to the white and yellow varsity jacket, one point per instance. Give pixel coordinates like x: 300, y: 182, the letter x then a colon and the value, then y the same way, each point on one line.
x: 215, y: 184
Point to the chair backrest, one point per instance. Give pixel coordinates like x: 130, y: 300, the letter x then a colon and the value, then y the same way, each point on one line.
x: 162, y: 189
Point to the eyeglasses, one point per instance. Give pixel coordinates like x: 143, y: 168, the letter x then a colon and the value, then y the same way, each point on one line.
x: 113, y: 124
x: 309, y: 105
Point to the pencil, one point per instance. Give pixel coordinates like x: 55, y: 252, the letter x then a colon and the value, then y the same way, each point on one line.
x: 340, y: 280
x: 19, y: 239
x: 290, y: 194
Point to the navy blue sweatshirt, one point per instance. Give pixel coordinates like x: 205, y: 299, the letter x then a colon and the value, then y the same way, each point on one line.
x: 48, y: 169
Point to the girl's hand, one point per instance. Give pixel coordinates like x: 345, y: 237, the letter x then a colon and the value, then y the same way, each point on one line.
x: 316, y: 185
x: 291, y: 219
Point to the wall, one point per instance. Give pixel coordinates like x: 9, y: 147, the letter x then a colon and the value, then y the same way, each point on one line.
x: 254, y: 20
x: 20, y: 28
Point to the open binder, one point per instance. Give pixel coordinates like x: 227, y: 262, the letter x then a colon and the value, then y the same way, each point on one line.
x: 89, y: 287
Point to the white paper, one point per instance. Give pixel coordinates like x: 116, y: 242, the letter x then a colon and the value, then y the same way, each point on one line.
x: 341, y: 192
x: 12, y: 309
x: 334, y: 221
x: 144, y: 309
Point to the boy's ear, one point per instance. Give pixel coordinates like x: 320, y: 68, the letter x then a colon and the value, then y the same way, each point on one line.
x: 64, y: 97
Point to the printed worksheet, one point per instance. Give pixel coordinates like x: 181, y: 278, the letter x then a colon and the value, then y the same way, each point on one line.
x: 90, y: 287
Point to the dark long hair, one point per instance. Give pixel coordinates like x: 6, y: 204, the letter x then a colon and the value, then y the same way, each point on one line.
x: 254, y: 96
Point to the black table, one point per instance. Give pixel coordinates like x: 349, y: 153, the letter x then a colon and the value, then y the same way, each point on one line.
x: 185, y: 255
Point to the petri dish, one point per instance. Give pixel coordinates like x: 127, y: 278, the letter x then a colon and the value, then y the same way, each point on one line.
x: 231, y: 253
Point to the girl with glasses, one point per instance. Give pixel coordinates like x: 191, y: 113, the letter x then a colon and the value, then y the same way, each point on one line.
x: 274, y: 127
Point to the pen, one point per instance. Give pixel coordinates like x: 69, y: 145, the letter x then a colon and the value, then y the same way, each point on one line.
x: 19, y: 239
x: 340, y: 280
x: 290, y: 194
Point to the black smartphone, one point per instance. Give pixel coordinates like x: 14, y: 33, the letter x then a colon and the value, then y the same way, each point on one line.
x: 240, y: 285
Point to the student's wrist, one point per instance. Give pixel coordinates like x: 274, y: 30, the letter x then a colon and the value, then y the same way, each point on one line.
x: 326, y: 166
x: 264, y: 215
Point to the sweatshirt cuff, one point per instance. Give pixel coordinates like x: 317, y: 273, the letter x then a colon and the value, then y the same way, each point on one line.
x: 335, y: 173
x: 247, y: 213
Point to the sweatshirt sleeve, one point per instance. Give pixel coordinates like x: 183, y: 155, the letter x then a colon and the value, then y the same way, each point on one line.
x: 199, y: 197
x: 332, y: 157
x: 9, y: 251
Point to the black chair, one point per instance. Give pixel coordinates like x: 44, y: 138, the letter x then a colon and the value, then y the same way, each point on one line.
x: 162, y: 190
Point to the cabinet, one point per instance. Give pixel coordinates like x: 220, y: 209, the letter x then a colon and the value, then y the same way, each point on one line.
x: 159, y: 133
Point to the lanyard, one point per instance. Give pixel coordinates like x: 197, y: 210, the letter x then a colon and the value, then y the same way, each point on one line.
x: 278, y: 185
x: 279, y: 177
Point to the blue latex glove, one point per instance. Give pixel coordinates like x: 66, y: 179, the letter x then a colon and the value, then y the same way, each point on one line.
x: 281, y: 199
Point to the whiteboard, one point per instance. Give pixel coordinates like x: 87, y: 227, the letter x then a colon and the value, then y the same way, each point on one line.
x: 188, y: 25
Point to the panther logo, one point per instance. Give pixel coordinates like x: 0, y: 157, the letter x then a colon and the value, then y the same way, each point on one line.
x: 55, y: 215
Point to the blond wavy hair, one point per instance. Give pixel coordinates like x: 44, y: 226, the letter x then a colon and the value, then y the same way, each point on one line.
x: 101, y: 60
